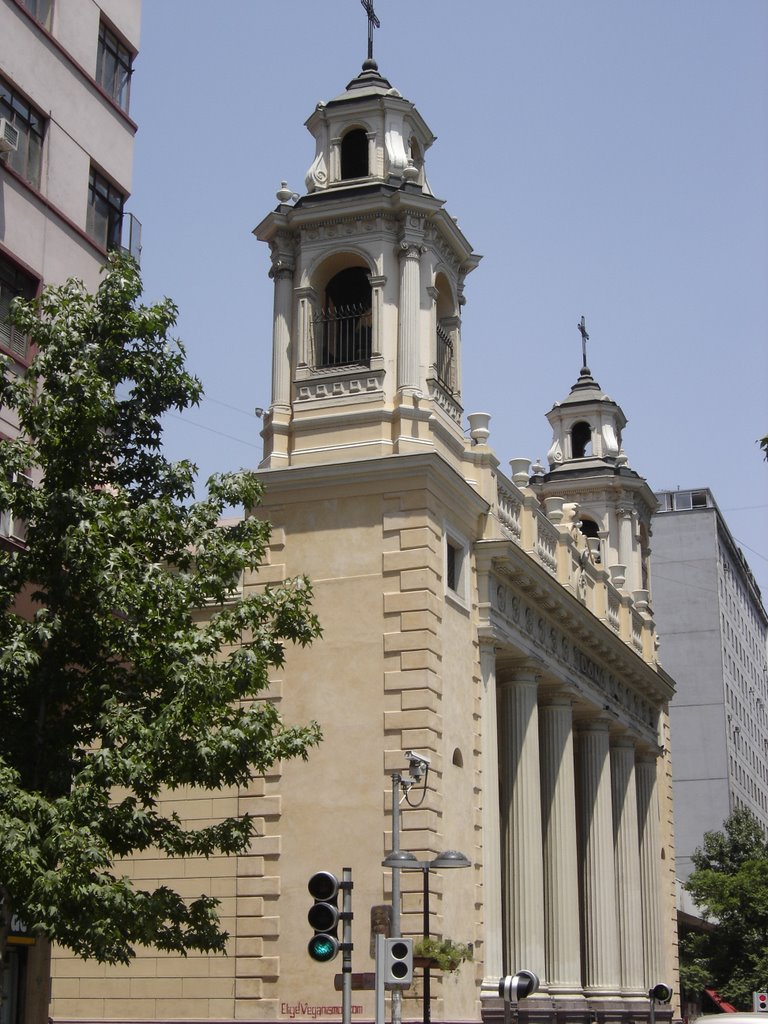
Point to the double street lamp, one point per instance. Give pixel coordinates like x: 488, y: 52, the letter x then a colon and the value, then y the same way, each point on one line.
x: 401, y: 860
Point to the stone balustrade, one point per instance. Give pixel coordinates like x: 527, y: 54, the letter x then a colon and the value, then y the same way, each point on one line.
x: 551, y: 536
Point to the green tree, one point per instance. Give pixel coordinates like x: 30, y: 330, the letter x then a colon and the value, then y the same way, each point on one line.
x: 730, y: 885
x: 113, y: 689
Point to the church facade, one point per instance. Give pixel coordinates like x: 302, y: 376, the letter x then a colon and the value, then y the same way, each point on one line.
x: 497, y: 624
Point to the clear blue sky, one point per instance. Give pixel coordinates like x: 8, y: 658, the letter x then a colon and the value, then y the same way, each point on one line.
x: 606, y: 157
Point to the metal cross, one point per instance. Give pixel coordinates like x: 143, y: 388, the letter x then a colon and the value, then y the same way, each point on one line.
x: 582, y: 327
x: 373, y: 22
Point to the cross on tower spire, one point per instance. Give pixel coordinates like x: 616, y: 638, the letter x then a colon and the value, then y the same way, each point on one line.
x: 582, y: 328
x: 373, y: 22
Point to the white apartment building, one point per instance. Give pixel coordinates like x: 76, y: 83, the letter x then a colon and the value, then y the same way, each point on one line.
x: 66, y: 145
x: 66, y: 152
x: 714, y: 630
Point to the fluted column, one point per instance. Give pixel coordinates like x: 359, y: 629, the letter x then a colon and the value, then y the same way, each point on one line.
x: 282, y: 274
x: 627, y: 854
x: 600, y: 932
x: 408, y: 362
x: 521, y: 823
x: 493, y: 954
x: 648, y: 818
x: 561, y: 881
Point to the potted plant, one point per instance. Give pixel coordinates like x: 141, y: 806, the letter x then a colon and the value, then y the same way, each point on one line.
x: 441, y: 954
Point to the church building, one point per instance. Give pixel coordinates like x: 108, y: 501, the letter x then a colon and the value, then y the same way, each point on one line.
x: 487, y: 680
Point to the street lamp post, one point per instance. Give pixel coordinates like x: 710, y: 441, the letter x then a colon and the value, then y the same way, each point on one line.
x: 401, y: 860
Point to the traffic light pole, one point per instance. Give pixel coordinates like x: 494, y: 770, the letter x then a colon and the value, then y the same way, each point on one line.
x: 346, y: 947
x: 397, y: 997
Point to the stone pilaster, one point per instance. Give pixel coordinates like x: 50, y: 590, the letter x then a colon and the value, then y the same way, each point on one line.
x: 648, y: 818
x: 600, y: 932
x: 493, y: 955
x: 561, y: 882
x: 627, y: 856
x: 282, y: 274
x: 521, y: 823
x: 408, y: 375
x: 626, y: 557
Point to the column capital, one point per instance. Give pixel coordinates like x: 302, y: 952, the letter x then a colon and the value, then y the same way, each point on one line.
x: 523, y: 672
x: 623, y: 740
x: 600, y: 723
x: 559, y: 698
x: 410, y: 250
x: 645, y: 755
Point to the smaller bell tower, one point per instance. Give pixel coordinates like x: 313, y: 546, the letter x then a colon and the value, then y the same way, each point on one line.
x: 369, y: 272
x: 587, y: 465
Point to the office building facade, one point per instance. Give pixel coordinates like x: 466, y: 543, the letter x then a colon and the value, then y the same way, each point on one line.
x: 714, y: 633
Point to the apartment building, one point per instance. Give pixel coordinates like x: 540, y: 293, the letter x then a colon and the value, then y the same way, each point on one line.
x: 66, y: 146
x: 714, y: 631
x: 66, y: 151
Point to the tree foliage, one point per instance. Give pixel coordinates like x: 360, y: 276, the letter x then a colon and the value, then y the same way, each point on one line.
x: 730, y: 885
x: 112, y: 688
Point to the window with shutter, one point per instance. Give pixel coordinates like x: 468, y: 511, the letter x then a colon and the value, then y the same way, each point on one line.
x: 13, y: 282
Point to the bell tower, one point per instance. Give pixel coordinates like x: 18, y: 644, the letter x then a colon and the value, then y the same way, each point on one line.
x: 588, y: 466
x: 368, y: 271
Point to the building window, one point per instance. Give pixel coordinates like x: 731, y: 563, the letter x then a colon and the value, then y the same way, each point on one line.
x: 113, y: 67
x: 456, y: 562
x: 354, y: 155
x: 13, y: 283
x: 26, y: 159
x: 105, y: 211
x: 41, y: 10
x: 344, y: 328
x: 581, y: 440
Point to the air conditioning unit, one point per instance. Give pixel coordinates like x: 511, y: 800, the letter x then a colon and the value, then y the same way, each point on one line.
x: 9, y: 136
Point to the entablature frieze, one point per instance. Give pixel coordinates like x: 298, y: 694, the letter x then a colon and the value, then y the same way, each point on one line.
x: 529, y: 617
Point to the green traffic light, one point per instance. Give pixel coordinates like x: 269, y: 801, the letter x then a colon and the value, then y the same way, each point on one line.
x: 323, y: 948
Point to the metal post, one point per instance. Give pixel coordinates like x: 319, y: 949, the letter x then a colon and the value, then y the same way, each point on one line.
x: 379, y: 950
x: 425, y: 935
x: 397, y: 995
x: 653, y: 1008
x: 396, y: 780
x: 346, y: 947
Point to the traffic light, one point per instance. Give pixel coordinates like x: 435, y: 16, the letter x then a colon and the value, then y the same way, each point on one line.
x: 760, y: 1002
x: 661, y: 993
x: 323, y: 916
x: 397, y: 967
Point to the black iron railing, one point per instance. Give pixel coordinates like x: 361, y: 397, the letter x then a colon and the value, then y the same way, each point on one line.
x: 343, y: 336
x: 445, y: 363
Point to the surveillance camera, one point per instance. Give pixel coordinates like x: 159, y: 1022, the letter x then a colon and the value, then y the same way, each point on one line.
x: 418, y: 759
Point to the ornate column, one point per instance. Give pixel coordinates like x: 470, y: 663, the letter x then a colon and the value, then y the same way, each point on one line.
x: 408, y: 376
x: 648, y: 819
x: 600, y: 935
x: 521, y: 823
x: 626, y: 516
x: 628, y: 902
x: 282, y: 274
x: 561, y: 866
x: 377, y: 319
x: 492, y: 888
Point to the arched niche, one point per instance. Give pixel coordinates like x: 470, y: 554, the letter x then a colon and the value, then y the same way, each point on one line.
x: 581, y: 440
x: 343, y: 325
x: 447, y: 334
x: 354, y: 154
